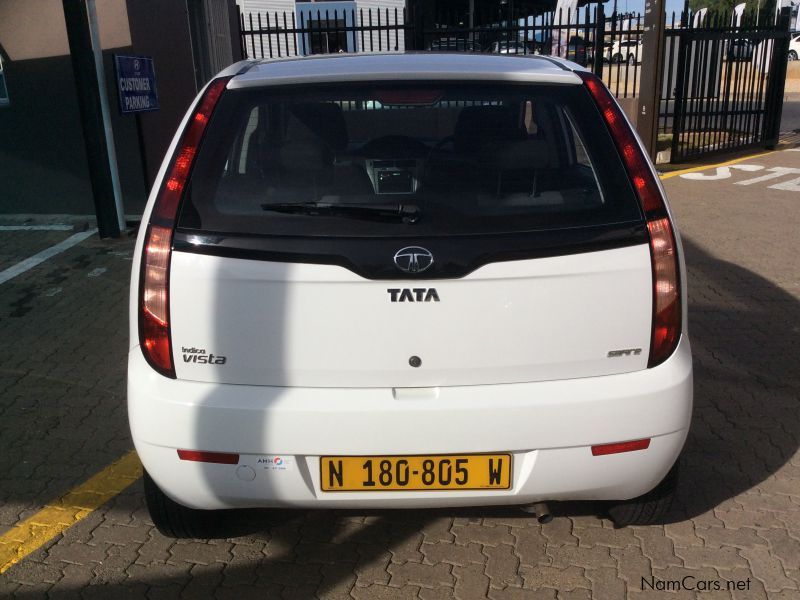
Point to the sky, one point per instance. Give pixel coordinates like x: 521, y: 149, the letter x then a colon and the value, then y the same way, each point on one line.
x: 638, y: 6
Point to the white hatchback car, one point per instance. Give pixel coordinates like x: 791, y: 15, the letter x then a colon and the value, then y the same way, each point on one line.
x: 395, y: 281
x: 794, y: 47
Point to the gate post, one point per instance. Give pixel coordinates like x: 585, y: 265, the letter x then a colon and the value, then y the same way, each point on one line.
x: 652, y: 74
x: 777, y: 80
x: 414, y: 30
x: 599, y: 38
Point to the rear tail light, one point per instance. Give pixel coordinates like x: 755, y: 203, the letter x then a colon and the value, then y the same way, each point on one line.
x: 154, y: 315
x: 663, y: 247
x: 154, y: 332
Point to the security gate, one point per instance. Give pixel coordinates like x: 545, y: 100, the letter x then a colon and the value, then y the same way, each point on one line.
x: 723, y: 86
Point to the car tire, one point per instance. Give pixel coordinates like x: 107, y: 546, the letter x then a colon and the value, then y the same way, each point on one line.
x: 175, y: 520
x: 651, y: 508
x: 792, y: 55
x: 617, y: 58
x: 631, y: 60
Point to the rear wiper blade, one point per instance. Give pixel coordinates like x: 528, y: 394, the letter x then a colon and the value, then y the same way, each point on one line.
x: 407, y: 213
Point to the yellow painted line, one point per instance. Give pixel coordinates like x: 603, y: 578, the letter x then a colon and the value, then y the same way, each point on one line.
x: 722, y: 164
x: 58, y: 516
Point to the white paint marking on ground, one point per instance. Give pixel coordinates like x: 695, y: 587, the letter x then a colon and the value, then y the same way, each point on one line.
x: 775, y: 173
x: 96, y: 272
x: 52, y: 292
x: 37, y: 259
x: 793, y: 185
x: 721, y: 173
x: 36, y: 227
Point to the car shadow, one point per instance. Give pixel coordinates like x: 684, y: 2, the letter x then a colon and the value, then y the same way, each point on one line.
x: 746, y: 422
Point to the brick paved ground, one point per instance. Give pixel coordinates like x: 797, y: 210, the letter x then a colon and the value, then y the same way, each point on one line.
x: 62, y: 418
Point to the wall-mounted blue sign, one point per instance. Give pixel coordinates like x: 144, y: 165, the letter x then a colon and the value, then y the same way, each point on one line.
x: 136, y: 82
x: 4, y: 100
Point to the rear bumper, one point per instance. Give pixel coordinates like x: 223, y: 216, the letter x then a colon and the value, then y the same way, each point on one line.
x: 547, y: 426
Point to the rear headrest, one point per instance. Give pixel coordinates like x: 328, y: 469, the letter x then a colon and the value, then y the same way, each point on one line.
x: 519, y: 155
x: 304, y: 156
x: 477, y: 124
x: 325, y: 120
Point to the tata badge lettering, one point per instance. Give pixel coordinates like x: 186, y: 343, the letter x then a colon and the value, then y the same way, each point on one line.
x: 403, y: 281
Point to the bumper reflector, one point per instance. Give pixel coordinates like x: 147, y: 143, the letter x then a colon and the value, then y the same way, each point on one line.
x: 221, y: 458
x: 618, y: 447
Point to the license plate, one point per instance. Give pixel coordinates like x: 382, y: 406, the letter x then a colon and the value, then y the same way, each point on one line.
x: 415, y: 473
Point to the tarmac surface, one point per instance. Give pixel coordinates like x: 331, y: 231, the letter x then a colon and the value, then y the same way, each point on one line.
x: 63, y: 323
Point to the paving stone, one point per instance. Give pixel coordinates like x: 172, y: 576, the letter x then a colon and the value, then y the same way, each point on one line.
x: 606, y: 583
x: 605, y: 536
x: 564, y: 556
x: 502, y: 566
x: 438, y: 530
x: 767, y: 569
x: 514, y: 593
x: 482, y: 534
x: 337, y: 581
x: 530, y: 546
x: 559, y: 532
x: 380, y: 592
x: 472, y: 583
x: 784, y: 547
x: 405, y: 547
x: 201, y: 553
x: 632, y: 565
x: 454, y: 554
x: 566, y: 579
x: 742, y: 583
x: 697, y: 558
x: 575, y: 595
x: 439, y: 593
x: 371, y: 567
x: 326, y: 553
x: 420, y: 575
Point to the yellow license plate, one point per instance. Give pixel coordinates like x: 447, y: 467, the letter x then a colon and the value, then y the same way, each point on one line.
x: 415, y: 473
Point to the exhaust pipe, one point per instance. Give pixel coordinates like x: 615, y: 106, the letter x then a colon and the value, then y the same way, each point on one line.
x: 541, y: 510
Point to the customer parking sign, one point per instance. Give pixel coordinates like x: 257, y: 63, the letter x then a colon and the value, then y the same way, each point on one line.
x: 4, y: 101
x: 136, y: 82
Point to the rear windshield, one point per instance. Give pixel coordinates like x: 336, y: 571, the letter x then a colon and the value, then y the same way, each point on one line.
x: 406, y: 160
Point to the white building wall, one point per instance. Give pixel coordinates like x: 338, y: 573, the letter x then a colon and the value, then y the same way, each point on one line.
x: 281, y: 44
x: 264, y: 14
x: 389, y: 40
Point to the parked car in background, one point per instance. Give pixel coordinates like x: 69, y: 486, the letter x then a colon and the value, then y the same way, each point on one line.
x: 509, y: 47
x: 741, y: 49
x: 628, y: 51
x: 453, y: 45
x: 397, y: 281
x: 578, y: 50
x: 794, y: 47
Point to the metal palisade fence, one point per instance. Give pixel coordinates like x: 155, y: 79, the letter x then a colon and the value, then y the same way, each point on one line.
x: 723, y: 83
x: 271, y: 35
x: 610, y: 46
x: 721, y: 74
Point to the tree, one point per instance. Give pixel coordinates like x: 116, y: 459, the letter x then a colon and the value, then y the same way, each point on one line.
x: 716, y: 7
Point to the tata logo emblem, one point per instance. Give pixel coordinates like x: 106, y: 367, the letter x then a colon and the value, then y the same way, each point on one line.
x: 413, y: 259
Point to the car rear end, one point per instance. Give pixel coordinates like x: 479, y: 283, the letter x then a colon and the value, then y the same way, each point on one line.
x: 429, y: 284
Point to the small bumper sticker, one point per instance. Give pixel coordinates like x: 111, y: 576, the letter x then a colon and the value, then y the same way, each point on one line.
x: 275, y: 463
